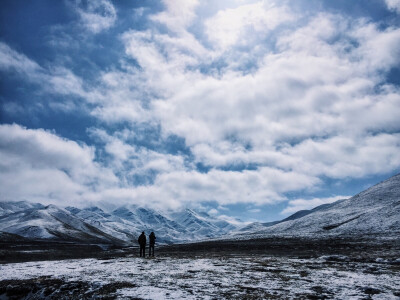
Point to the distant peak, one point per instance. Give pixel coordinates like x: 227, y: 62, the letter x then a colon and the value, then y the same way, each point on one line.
x: 94, y: 209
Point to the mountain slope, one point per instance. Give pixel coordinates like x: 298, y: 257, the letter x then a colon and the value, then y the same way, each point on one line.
x: 92, y: 224
x: 51, y: 222
x: 258, y: 226
x: 373, y: 212
x: 7, y: 208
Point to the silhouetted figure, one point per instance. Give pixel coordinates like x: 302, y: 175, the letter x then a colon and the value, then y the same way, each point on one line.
x: 142, y: 243
x: 152, y: 241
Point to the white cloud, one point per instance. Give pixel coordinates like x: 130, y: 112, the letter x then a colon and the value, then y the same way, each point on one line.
x: 10, y: 59
x: 13, y: 60
x: 176, y: 189
x: 178, y: 14
x: 54, y: 79
x: 129, y: 159
x: 305, y: 204
x: 297, y: 102
x: 379, y: 50
x: 236, y: 25
x: 233, y: 220
x: 40, y: 166
x: 313, y: 105
x: 213, y: 211
x: 393, y: 5
x: 96, y: 15
x: 340, y: 157
x: 265, y: 185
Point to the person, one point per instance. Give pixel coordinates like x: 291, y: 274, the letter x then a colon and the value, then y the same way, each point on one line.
x: 142, y: 244
x: 152, y: 241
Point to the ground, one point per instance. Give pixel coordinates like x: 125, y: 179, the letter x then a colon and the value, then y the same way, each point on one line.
x: 177, y: 273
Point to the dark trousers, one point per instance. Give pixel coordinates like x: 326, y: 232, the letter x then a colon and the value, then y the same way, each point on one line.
x: 151, y: 246
x: 142, y: 251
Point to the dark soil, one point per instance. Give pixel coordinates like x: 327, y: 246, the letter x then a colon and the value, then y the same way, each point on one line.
x: 290, y: 247
x: 364, y: 249
x: 51, y: 288
x: 21, y: 251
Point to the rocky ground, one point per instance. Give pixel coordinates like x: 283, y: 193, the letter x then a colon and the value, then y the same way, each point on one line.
x: 269, y: 269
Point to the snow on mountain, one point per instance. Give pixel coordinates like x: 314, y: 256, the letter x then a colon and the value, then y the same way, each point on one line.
x: 121, y: 225
x: 258, y: 226
x: 7, y: 208
x: 105, y: 222
x: 51, y: 222
x: 373, y: 212
x: 201, y: 225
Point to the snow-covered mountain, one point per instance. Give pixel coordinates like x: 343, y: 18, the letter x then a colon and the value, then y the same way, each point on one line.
x: 36, y: 221
x: 202, y: 225
x: 373, y: 212
x: 12, y: 207
x: 92, y: 224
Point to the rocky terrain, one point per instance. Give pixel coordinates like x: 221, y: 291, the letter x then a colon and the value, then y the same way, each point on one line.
x: 208, y: 275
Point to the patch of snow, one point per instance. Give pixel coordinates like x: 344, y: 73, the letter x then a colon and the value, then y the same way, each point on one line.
x: 261, y: 277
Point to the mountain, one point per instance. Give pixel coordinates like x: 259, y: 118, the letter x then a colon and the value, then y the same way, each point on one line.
x: 201, y: 225
x: 12, y: 207
x: 257, y: 226
x: 104, y: 222
x: 142, y: 219
x: 374, y: 212
x: 92, y: 224
x: 36, y: 221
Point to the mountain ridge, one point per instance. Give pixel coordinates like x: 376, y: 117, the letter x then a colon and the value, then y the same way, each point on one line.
x: 120, y: 226
x: 374, y: 212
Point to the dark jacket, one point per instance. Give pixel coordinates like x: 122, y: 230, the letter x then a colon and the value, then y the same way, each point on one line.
x: 142, y: 240
x: 152, y: 238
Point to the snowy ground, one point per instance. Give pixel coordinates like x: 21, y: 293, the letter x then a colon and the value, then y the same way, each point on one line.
x: 229, y: 277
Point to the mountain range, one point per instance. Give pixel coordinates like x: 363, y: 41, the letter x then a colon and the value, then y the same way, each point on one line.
x: 374, y: 212
x: 93, y: 225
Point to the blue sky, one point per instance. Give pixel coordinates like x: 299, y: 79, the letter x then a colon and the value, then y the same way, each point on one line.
x: 248, y: 109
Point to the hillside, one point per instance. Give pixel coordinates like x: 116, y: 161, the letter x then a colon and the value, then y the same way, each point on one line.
x: 121, y: 226
x: 373, y: 212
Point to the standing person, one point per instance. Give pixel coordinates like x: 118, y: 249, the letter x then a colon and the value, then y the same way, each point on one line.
x: 142, y: 244
x: 152, y: 241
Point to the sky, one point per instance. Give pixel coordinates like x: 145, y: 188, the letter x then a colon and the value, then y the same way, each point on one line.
x: 244, y: 109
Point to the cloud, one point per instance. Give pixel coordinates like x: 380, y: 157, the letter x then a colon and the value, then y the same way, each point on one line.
x: 254, y: 210
x: 393, y: 5
x: 340, y: 157
x: 266, y: 102
x: 52, y: 80
x: 305, y: 204
x: 235, y: 26
x: 96, y: 16
x: 12, y: 60
x: 178, y: 14
x: 315, y: 103
x: 233, y: 220
x: 129, y: 160
x: 265, y: 185
x: 40, y: 166
x: 213, y: 211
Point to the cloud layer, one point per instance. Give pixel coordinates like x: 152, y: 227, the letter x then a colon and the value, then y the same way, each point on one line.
x: 266, y: 99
